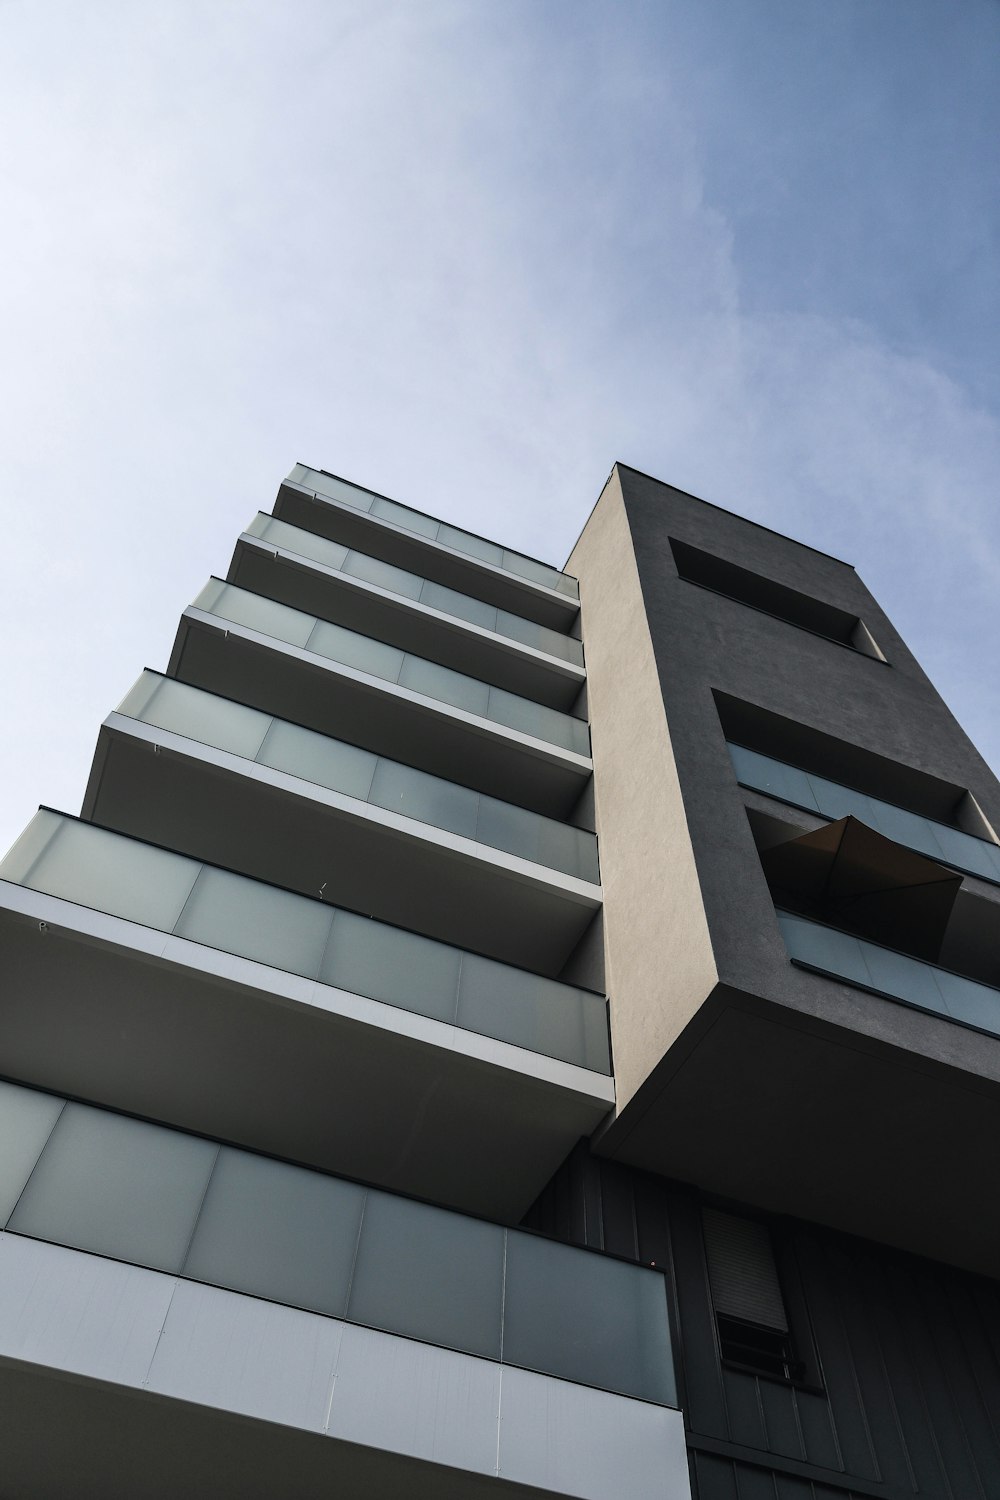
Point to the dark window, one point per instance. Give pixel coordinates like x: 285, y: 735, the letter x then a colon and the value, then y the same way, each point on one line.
x: 763, y: 1350
x: 773, y: 598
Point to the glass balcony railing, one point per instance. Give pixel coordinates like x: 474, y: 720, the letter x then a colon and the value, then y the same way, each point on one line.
x: 411, y: 586
x: 373, y: 779
x: 124, y: 877
x: 378, y: 659
x: 328, y: 487
x: 890, y: 973
x: 817, y: 795
x: 102, y: 1182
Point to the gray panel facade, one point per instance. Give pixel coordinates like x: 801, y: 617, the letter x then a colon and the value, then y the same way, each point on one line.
x: 901, y: 1391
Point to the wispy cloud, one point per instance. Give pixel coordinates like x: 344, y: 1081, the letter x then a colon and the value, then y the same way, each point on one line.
x: 469, y: 255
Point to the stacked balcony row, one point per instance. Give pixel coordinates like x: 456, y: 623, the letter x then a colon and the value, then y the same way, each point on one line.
x: 181, y: 1203
x: 170, y: 893
x: 831, y: 799
x: 411, y: 586
x: 318, y: 845
x: 360, y: 774
x: 317, y: 485
x: 387, y: 663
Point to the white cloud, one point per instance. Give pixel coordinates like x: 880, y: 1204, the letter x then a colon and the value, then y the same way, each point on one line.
x: 460, y: 253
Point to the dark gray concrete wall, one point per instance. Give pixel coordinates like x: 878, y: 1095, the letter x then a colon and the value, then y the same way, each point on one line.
x: 704, y: 642
x: 798, y: 1092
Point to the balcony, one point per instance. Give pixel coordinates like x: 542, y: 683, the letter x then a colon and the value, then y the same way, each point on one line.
x: 226, y: 783
x: 356, y: 517
x: 798, y: 788
x: 884, y: 971
x: 374, y: 598
x: 141, y: 978
x: 331, y: 679
x: 430, y: 1351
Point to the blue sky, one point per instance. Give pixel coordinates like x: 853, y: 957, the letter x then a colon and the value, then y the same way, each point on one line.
x: 470, y: 254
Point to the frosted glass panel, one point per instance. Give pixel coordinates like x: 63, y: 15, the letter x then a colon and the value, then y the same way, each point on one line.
x: 562, y: 846
x: 401, y: 515
x: 533, y: 1012
x: 968, y: 853
x: 264, y: 615
x: 118, y: 1187
x: 137, y: 697
x: 353, y: 650
x: 26, y: 1121
x: 976, y: 1004
x: 566, y: 647
x: 429, y: 1274
x: 115, y: 875
x: 472, y: 546
x: 277, y: 1231
x: 772, y: 777
x: 209, y: 595
x: 20, y: 858
x: 399, y: 968
x: 256, y: 921
x: 331, y: 763
x: 926, y: 835
x: 836, y: 801
x: 429, y: 799
x: 898, y: 824
x: 527, y: 567
x: 303, y: 543
x: 203, y: 717
x: 339, y: 489
x: 302, y: 474
x: 535, y: 719
x: 504, y: 826
x: 383, y: 575
x: 587, y: 1318
x: 824, y: 948
x: 445, y: 685
x: 897, y: 974
x: 450, y: 602
x: 559, y: 846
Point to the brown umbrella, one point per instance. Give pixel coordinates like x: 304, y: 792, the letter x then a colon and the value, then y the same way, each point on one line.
x: 857, y: 878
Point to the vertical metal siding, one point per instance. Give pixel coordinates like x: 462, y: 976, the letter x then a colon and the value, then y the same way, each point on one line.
x: 908, y: 1353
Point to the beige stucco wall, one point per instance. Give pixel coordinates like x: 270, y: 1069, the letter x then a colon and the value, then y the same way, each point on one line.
x: 660, y: 966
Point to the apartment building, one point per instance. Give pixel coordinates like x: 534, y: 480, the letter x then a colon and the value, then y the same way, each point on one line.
x: 501, y: 1030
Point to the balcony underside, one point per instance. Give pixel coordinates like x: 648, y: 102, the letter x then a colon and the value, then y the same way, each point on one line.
x: 371, y: 611
x: 293, y: 684
x: 353, y: 528
x: 769, y: 1105
x: 119, y: 1014
x: 123, y: 1384
x: 214, y: 806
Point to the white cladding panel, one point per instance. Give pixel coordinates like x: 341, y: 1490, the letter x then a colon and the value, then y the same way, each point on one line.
x: 69, y: 1312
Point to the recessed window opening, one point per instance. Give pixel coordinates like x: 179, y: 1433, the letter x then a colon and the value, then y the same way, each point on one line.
x: 850, y: 878
x: 805, y: 752
x: 773, y: 598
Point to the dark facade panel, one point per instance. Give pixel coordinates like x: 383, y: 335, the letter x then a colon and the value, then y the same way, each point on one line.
x: 900, y: 1390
